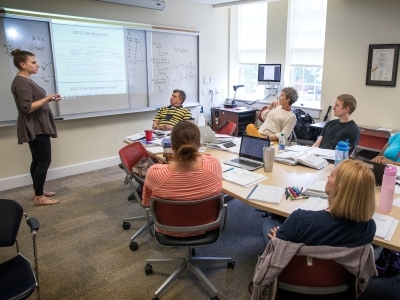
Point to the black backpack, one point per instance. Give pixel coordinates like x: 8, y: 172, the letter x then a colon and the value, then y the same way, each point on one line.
x: 302, y: 128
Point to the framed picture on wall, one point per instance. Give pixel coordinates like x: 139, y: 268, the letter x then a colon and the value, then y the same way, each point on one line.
x: 382, y: 64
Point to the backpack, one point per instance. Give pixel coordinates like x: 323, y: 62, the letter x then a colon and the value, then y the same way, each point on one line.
x: 302, y: 128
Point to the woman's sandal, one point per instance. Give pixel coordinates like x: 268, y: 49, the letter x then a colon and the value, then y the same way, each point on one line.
x: 46, y: 194
x: 42, y: 200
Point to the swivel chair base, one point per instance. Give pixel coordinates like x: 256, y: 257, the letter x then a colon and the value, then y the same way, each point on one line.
x: 188, y: 263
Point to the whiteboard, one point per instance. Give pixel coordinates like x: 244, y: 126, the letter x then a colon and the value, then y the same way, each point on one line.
x: 136, y: 55
x: 99, y: 68
x: 173, y: 64
x: 28, y: 35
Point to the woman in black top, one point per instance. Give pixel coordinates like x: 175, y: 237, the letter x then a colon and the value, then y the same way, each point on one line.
x: 35, y: 122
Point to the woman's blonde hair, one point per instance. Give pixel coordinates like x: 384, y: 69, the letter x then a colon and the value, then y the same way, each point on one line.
x: 353, y: 196
x: 185, y: 141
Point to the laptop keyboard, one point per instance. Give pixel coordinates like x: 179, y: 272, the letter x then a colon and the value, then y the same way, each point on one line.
x: 246, y: 162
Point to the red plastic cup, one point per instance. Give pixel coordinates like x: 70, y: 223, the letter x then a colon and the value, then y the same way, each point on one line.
x: 149, y: 134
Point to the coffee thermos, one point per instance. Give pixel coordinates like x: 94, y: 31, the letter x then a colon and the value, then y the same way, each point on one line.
x: 268, y: 158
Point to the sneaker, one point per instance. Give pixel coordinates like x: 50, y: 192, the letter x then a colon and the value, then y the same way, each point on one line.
x: 395, y: 263
x: 383, y: 261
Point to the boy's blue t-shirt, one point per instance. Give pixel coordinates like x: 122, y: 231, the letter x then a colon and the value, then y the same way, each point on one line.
x: 392, y: 152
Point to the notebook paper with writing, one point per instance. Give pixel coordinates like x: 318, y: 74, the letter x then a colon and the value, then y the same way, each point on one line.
x: 304, y: 158
x: 267, y: 193
x: 242, y: 177
x: 385, y: 226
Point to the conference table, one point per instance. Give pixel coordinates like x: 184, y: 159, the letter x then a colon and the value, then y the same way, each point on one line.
x: 285, y: 175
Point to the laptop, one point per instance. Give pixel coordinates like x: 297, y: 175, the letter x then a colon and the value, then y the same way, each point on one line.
x: 250, y: 153
x: 208, y: 136
x: 377, y: 168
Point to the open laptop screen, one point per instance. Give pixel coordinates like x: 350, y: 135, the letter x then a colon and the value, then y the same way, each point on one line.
x: 252, y: 147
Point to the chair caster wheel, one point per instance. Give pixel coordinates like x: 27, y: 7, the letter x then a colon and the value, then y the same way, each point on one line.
x: 148, y: 269
x: 126, y: 225
x: 193, y: 252
x: 215, y: 298
x: 155, y: 298
x: 133, y: 246
x: 231, y: 264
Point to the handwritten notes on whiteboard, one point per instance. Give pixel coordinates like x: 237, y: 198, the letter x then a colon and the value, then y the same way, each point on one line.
x: 173, y: 65
x: 32, y: 36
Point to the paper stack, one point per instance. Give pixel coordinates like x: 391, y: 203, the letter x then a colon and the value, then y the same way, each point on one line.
x: 316, y: 189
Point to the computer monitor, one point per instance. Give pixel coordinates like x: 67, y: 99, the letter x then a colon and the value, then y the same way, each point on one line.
x: 269, y: 73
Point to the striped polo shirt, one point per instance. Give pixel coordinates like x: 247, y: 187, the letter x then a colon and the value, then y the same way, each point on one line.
x: 183, y: 186
x: 172, y: 115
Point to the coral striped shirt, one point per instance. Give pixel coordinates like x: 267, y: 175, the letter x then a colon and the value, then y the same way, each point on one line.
x: 185, y: 186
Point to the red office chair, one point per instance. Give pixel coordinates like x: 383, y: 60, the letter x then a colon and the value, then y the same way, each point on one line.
x: 175, y: 217
x: 227, y: 128
x: 130, y: 155
x: 313, y: 278
x: 259, y: 115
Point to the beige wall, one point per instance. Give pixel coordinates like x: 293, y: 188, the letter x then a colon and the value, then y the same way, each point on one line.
x: 351, y: 26
x: 86, y: 140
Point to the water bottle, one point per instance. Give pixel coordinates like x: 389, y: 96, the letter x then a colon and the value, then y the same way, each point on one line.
x: 201, y: 121
x: 282, y: 143
x: 341, y: 152
x: 387, y: 189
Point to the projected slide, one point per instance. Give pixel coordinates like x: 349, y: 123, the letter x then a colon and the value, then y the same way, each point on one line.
x: 89, y: 60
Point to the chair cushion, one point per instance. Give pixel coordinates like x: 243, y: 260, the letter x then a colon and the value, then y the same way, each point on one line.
x: 16, y: 279
x: 208, y: 238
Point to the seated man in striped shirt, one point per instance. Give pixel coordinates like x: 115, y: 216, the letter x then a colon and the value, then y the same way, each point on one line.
x: 168, y: 116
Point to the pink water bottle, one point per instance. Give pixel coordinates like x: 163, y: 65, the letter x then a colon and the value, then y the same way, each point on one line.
x: 387, y: 189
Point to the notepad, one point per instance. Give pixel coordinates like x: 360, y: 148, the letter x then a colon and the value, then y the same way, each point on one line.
x: 385, y: 226
x: 242, y: 177
x: 304, y: 158
x: 136, y: 136
x: 267, y: 193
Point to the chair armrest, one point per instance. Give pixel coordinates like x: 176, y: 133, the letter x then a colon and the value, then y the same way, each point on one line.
x: 225, y: 217
x: 33, y: 223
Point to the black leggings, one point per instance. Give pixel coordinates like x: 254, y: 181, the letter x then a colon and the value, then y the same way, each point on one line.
x: 41, y: 159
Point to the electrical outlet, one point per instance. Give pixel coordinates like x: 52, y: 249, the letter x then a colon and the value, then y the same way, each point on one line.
x: 210, y: 92
x: 216, y: 90
x: 203, y: 92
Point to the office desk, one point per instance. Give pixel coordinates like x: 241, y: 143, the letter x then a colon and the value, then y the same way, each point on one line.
x: 285, y: 175
x: 240, y: 116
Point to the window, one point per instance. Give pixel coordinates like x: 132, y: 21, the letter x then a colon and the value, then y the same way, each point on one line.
x: 251, y: 49
x: 306, y: 40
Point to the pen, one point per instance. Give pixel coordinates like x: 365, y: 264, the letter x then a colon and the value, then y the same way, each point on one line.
x: 252, y: 191
x: 286, y: 194
x: 229, y: 169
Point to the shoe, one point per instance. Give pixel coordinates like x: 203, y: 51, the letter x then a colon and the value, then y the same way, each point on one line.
x: 395, y: 263
x: 121, y: 166
x: 46, y: 194
x: 383, y: 261
x: 42, y: 200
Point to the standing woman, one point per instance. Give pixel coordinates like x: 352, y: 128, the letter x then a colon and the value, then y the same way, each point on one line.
x: 35, y: 122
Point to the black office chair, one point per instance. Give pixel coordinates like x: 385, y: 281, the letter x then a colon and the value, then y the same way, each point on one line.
x: 18, y: 280
x: 175, y: 217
